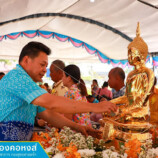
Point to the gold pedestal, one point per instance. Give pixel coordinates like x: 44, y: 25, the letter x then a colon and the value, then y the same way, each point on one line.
x: 124, y: 132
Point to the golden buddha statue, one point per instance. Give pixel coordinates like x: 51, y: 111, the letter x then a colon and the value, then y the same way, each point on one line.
x: 132, y: 120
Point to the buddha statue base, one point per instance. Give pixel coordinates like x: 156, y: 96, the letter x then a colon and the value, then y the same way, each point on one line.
x: 125, y: 132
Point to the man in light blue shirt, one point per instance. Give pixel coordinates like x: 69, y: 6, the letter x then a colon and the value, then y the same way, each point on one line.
x: 17, y: 92
x: 20, y: 95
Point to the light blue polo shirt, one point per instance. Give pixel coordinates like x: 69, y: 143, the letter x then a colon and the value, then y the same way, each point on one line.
x: 17, y: 114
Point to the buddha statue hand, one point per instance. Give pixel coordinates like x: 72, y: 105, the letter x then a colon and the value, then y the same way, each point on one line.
x: 133, y: 112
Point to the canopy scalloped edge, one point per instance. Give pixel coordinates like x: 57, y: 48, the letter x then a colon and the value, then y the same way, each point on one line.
x: 71, y: 17
x: 75, y: 42
x: 155, y: 60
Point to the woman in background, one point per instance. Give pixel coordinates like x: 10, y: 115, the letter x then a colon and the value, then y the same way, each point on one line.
x: 105, y: 91
x: 94, y: 88
x: 77, y: 91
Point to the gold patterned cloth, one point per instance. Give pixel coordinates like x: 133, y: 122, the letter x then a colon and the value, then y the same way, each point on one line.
x: 154, y: 107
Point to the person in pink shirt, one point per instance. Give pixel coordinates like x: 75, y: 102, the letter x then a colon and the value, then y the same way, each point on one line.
x: 105, y: 91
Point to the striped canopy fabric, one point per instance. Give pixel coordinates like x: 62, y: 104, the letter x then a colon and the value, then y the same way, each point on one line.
x: 78, y: 30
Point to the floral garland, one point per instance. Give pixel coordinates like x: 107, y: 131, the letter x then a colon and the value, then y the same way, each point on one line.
x: 68, y: 144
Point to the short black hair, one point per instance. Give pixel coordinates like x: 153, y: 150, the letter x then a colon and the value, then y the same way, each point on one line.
x: 32, y: 50
x: 94, y: 80
x: 2, y: 73
x: 89, y: 97
x: 74, y: 72
x: 104, y: 96
x: 58, y: 65
x: 119, y: 71
x: 46, y: 85
x: 105, y: 84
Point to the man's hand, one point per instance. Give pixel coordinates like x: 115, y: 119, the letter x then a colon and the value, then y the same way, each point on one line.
x: 108, y: 106
x: 93, y: 132
x: 41, y: 122
x: 86, y: 130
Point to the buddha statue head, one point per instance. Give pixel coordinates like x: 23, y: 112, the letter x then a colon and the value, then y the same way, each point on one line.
x: 137, y: 49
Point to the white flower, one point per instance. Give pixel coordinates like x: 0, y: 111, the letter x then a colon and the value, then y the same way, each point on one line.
x: 49, y: 149
x: 53, y: 141
x: 114, y: 155
x: 111, y: 154
x: 124, y: 156
x: 152, y: 153
x: 90, y: 141
x: 86, y: 152
x: 105, y: 155
x: 112, y: 148
x: 85, y: 146
x: 59, y: 155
